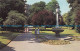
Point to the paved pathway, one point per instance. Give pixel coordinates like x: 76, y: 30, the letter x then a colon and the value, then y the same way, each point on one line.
x: 27, y: 42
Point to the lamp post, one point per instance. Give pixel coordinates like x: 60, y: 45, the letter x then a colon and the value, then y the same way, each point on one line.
x: 57, y: 15
x: 25, y: 1
x: 25, y: 7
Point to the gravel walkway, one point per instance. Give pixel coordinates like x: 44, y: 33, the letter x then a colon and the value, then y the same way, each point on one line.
x: 27, y: 42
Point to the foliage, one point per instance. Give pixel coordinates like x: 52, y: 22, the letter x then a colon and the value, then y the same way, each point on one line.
x: 15, y: 18
x: 51, y: 6
x: 7, y: 5
x: 61, y: 22
x: 6, y: 37
x: 37, y: 6
x: 1, y: 19
x: 77, y: 20
x: 30, y: 18
x: 67, y: 18
x: 75, y: 5
x: 43, y: 17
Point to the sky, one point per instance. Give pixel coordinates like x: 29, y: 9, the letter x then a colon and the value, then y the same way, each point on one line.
x: 64, y: 6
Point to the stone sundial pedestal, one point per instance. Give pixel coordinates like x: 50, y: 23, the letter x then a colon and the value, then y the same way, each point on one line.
x: 57, y: 29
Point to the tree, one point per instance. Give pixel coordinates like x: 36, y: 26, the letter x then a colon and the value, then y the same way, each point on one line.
x: 51, y: 6
x: 77, y: 21
x: 67, y: 18
x: 75, y: 8
x: 7, y: 5
x: 15, y: 18
x: 43, y: 17
x: 35, y: 8
x: 74, y: 3
x: 1, y: 20
x: 61, y: 22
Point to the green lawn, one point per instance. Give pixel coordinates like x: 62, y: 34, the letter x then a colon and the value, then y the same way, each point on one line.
x: 66, y: 32
x: 70, y: 32
x: 6, y: 37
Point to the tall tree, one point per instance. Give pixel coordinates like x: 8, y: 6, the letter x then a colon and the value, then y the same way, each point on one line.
x: 51, y: 6
x: 15, y: 18
x: 1, y: 20
x: 43, y: 17
x: 75, y: 8
x: 7, y: 5
x: 67, y: 17
x: 35, y: 8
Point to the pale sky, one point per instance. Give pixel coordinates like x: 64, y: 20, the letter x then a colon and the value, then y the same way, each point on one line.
x: 64, y: 6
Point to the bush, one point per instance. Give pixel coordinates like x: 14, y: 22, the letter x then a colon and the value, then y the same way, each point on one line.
x: 15, y: 18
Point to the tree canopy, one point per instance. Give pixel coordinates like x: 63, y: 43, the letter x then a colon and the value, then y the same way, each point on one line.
x: 51, y: 6
x: 43, y: 17
x: 37, y: 6
x: 7, y: 5
x: 15, y: 18
x: 40, y: 10
x: 73, y: 14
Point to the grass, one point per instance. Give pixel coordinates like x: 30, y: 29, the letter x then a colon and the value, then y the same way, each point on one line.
x: 66, y: 32
x: 70, y: 32
x: 6, y: 37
